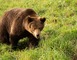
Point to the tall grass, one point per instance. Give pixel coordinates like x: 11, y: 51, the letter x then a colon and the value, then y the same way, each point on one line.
x: 58, y: 38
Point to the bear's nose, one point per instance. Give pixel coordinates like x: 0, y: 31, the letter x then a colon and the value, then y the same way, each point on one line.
x: 38, y: 35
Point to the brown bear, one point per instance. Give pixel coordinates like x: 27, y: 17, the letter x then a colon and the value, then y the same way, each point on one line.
x: 18, y: 23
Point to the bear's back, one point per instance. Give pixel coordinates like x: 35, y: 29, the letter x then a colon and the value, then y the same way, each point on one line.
x: 17, y: 12
x: 17, y: 15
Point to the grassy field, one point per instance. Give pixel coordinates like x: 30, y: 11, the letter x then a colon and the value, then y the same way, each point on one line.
x: 58, y: 38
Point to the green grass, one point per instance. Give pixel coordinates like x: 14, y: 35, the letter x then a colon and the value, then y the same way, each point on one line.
x: 58, y: 38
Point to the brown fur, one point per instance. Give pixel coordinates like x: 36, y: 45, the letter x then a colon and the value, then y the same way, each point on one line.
x: 19, y: 23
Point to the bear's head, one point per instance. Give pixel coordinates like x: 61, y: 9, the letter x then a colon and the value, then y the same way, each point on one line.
x: 34, y: 25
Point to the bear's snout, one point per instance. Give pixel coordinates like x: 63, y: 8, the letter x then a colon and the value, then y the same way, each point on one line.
x: 37, y: 33
x: 37, y: 36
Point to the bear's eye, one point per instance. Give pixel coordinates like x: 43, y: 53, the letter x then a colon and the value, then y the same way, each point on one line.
x: 40, y: 29
x: 34, y: 28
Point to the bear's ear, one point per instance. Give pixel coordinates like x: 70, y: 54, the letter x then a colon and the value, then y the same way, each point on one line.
x: 43, y: 20
x: 29, y: 19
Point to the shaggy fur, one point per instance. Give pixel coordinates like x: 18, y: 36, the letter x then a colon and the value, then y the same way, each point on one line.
x: 19, y: 23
